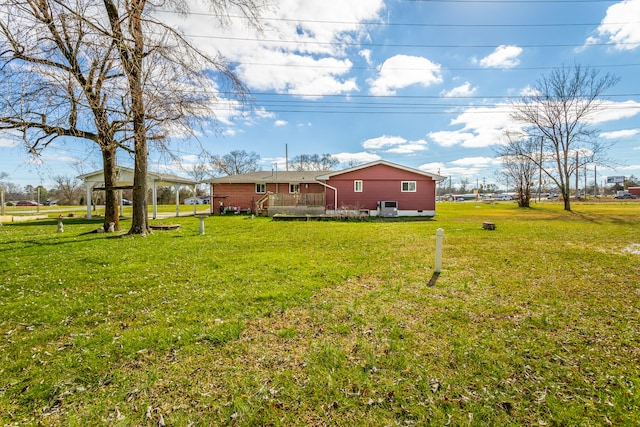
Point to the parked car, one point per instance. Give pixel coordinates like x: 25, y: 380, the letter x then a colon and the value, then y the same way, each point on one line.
x: 626, y: 196
x: 26, y: 203
x: 552, y: 196
x: 504, y: 197
x: 50, y: 202
x: 126, y: 202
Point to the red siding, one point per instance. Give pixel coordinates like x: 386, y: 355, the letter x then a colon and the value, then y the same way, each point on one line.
x: 382, y: 182
x: 244, y: 196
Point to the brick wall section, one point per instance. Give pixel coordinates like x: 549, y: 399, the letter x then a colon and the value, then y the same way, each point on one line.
x: 244, y: 196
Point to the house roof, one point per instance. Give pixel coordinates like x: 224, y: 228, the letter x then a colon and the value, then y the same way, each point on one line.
x: 329, y: 175
x: 125, y: 176
x: 268, y: 177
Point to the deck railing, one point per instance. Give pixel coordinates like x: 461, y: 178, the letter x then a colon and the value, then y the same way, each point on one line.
x: 297, y: 199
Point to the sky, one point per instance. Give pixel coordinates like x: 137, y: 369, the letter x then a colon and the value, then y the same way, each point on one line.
x: 422, y: 83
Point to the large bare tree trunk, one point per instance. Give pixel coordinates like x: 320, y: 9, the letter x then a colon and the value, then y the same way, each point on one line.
x: 110, y: 181
x: 139, y: 223
x: 131, y: 58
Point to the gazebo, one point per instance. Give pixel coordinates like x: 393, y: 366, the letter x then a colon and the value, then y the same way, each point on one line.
x: 95, y: 181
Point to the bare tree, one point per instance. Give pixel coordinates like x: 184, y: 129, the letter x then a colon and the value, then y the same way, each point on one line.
x: 160, y: 63
x: 558, y: 112
x: 236, y: 162
x: 67, y: 189
x: 519, y: 167
x: 105, y: 50
x: 59, y: 79
x: 199, y: 172
x: 314, y: 162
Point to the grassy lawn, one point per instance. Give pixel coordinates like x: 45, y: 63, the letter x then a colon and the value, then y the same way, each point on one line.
x: 260, y: 322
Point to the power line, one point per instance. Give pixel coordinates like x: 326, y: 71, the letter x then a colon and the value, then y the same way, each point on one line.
x: 513, y: 1
x: 413, y: 24
x: 336, y: 67
x: 434, y: 46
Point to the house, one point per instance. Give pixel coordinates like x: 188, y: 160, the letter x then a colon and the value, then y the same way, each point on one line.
x: 377, y: 188
x: 253, y: 192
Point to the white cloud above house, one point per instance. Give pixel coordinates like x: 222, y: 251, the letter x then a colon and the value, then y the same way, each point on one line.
x: 504, y: 56
x: 619, y: 27
x: 402, y: 71
x: 394, y: 144
x: 356, y: 158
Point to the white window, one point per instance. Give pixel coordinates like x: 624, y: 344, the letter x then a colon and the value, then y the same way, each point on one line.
x: 408, y: 186
x: 294, y: 188
x: 261, y: 188
x: 357, y: 186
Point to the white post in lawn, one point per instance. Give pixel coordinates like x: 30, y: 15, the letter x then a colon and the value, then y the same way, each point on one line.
x: 439, y: 238
x: 201, y: 218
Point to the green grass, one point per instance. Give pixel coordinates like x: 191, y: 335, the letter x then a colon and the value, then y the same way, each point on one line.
x: 260, y: 322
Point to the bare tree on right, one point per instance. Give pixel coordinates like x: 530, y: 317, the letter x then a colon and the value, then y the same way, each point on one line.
x: 558, y: 112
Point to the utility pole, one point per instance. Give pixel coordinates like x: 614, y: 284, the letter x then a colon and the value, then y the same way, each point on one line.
x: 585, y: 180
x: 577, y: 174
x: 540, y: 168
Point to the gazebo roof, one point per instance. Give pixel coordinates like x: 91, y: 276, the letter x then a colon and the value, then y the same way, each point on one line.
x: 125, y: 178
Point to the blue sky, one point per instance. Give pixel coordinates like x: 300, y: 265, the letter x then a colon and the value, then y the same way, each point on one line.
x: 425, y: 84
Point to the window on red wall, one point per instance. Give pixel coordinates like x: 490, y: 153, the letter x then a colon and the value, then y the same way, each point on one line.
x: 357, y: 186
x: 294, y: 188
x: 408, y: 186
x: 261, y: 188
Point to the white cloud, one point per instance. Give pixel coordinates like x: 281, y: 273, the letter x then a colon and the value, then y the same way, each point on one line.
x: 394, y: 144
x: 450, y: 138
x: 470, y: 168
x: 460, y: 91
x: 402, y: 71
x: 610, y: 111
x: 434, y: 167
x: 410, y: 147
x: 476, y: 162
x: 366, y: 54
x: 619, y: 134
x: 296, y: 52
x: 280, y: 123
x: 619, y: 26
x: 382, y: 142
x: 505, y: 56
x: 357, y: 158
x: 481, y: 127
x: 8, y: 143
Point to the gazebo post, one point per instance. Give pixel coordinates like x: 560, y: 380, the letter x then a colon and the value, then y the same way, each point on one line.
x: 88, y: 188
x: 177, y: 187
x: 195, y: 200
x: 154, y: 196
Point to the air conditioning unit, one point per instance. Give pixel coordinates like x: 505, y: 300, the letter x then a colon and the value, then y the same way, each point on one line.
x: 388, y: 208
